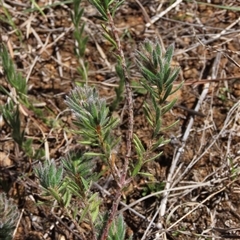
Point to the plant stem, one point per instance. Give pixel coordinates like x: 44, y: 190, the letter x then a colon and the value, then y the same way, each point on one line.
x: 112, y: 215
x: 128, y: 98
x: 122, y: 181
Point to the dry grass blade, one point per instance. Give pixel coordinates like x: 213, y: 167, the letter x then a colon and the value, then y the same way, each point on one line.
x: 158, y: 16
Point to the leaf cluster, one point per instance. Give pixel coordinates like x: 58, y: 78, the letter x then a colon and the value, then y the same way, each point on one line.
x: 17, y: 104
x: 16, y: 94
x: 80, y: 37
x: 11, y: 116
x: 158, y: 78
x: 106, y: 6
x: 92, y: 117
x: 155, y: 68
x: 79, y: 169
x: 50, y: 175
x: 68, y: 181
x: 118, y: 229
x: 14, y: 78
x: 8, y: 217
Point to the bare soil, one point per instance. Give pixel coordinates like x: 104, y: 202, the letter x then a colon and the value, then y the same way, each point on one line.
x: 207, y: 41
